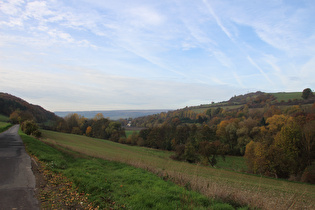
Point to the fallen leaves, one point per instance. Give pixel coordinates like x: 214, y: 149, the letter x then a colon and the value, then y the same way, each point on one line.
x: 58, y: 192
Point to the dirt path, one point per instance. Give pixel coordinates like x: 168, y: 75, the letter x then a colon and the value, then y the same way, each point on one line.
x: 17, y: 181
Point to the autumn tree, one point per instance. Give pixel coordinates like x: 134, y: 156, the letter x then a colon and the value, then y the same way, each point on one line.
x: 271, y: 111
x: 73, y: 122
x: 88, y: 131
x: 288, y: 142
x: 245, y: 133
x: 190, y: 153
x: 18, y: 116
x: 99, y: 128
x: 288, y: 153
x: 98, y: 116
x: 226, y: 132
x: 114, y: 131
x: 62, y: 126
x: 211, y: 150
x: 15, y: 117
x: 308, y: 142
x: 205, y: 133
x: 275, y: 123
x: 255, y: 156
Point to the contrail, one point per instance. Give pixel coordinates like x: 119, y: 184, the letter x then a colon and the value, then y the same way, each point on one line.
x: 217, y: 19
x: 261, y: 71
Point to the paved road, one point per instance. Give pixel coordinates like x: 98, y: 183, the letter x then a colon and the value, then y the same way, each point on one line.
x: 17, y: 181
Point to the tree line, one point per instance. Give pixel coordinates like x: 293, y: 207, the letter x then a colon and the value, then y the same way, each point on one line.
x: 98, y: 127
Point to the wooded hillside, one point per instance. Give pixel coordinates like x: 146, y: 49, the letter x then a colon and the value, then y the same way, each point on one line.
x: 10, y: 104
x: 276, y: 137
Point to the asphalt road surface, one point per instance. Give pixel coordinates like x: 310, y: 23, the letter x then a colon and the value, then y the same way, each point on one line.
x: 17, y: 181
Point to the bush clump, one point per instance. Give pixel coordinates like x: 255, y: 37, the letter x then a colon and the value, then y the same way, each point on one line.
x: 29, y: 127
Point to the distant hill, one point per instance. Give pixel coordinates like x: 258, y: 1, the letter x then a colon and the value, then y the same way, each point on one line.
x: 202, y: 113
x: 115, y: 114
x: 256, y: 99
x: 10, y: 103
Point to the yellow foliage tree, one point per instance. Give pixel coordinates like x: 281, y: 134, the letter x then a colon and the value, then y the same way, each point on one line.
x: 276, y: 122
x: 255, y: 155
x: 88, y: 131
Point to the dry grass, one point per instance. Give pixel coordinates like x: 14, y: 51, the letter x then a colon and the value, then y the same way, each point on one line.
x: 225, y: 185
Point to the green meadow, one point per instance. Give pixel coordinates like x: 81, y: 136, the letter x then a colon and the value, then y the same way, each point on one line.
x: 4, y: 118
x: 227, y: 183
x: 116, y: 185
x: 4, y: 126
x: 130, y: 132
x: 287, y: 96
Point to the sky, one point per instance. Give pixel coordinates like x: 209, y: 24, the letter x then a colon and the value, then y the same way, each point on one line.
x: 82, y: 55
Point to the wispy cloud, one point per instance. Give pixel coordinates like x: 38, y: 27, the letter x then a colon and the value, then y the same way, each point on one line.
x: 260, y: 69
x: 217, y: 19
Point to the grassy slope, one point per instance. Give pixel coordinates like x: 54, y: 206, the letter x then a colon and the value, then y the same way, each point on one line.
x: 4, y: 126
x: 117, y: 185
x: 3, y: 118
x: 130, y: 132
x: 281, y: 96
x: 287, y: 96
x: 227, y: 185
x: 3, y: 123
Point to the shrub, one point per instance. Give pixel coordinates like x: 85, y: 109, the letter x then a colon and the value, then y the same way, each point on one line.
x: 29, y: 127
x: 309, y: 175
x: 179, y: 152
x: 190, y: 153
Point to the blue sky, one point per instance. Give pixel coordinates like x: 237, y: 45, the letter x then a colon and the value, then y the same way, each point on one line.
x: 105, y: 55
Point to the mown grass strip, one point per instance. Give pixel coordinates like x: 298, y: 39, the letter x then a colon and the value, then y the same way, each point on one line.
x: 226, y: 185
x: 116, y: 185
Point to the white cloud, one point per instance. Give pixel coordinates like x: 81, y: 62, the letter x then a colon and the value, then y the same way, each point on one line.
x: 37, y: 10
x: 11, y: 7
x: 142, y: 16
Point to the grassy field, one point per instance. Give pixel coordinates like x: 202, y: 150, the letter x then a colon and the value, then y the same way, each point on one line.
x: 130, y: 132
x: 4, y: 126
x: 115, y: 185
x: 3, y: 118
x: 227, y: 185
x: 232, y: 163
x: 286, y: 96
x: 281, y: 96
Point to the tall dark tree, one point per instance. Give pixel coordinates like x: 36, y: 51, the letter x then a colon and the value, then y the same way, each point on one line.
x: 307, y: 93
